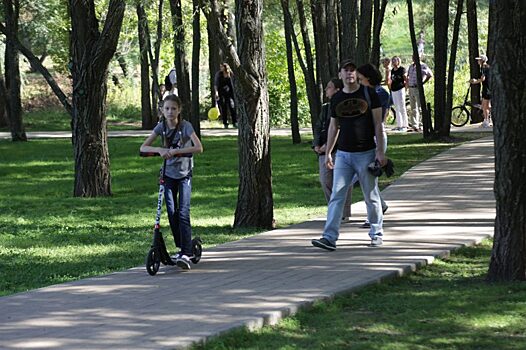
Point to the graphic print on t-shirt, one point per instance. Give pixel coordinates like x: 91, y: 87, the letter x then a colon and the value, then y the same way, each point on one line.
x: 352, y: 107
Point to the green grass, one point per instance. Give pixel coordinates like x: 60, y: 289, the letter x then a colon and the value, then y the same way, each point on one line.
x: 48, y: 237
x: 447, y: 305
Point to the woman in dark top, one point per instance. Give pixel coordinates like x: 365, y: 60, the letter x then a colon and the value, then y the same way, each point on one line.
x: 398, y: 85
x: 486, y: 92
x: 224, y: 94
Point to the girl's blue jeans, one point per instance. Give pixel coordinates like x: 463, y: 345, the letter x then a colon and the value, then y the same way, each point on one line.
x: 177, y: 193
x: 347, y: 164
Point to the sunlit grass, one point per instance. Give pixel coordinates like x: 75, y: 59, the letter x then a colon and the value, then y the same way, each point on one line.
x: 42, y: 224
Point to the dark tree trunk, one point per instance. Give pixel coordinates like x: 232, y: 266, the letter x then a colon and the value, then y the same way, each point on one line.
x: 254, y: 203
x: 12, y: 72
x: 154, y: 62
x: 196, y: 47
x: 446, y: 125
x: 473, y: 48
x: 214, y: 60
x: 321, y: 43
x: 508, y: 257
x: 426, y: 116
x: 181, y: 63
x: 349, y: 9
x: 441, y: 17
x: 379, y: 13
x: 146, y: 103
x: 333, y: 39
x: 313, y: 92
x: 296, y: 138
x: 363, y: 49
x: 3, y: 102
x: 91, y: 52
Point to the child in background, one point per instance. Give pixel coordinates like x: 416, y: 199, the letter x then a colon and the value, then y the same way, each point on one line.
x: 179, y: 143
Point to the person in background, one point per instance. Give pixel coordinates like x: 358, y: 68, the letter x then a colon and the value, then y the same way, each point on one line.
x: 415, y: 119
x: 398, y: 86
x: 319, y: 145
x: 486, y: 92
x: 224, y: 94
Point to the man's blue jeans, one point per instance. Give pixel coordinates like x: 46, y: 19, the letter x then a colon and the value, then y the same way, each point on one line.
x: 346, y: 165
x: 179, y: 215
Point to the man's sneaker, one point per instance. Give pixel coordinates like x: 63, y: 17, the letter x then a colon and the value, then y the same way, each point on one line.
x: 366, y: 224
x: 324, y: 244
x: 376, y: 241
x: 183, y: 262
x: 346, y: 219
x: 384, y: 209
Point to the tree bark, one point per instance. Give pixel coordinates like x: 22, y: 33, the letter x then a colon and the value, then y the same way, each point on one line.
x: 508, y: 256
x: 441, y: 17
x: 12, y: 72
x: 426, y: 117
x: 333, y: 40
x: 363, y: 49
x: 349, y: 9
x: 180, y: 61
x: 379, y: 14
x: 473, y: 48
x: 146, y: 103
x: 294, y: 123
x: 91, y: 52
x: 254, y: 203
x: 214, y: 60
x: 196, y: 48
x: 446, y: 125
x: 321, y: 42
x: 3, y: 102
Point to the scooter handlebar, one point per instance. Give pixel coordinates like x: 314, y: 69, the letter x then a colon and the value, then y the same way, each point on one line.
x: 155, y: 154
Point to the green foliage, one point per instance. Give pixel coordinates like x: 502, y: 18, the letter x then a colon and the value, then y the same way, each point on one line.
x: 48, y: 237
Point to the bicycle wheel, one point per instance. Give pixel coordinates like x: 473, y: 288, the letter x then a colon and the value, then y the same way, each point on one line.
x: 459, y: 116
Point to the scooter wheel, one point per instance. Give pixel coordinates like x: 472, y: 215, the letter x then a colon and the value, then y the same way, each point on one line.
x: 197, y: 250
x: 153, y: 262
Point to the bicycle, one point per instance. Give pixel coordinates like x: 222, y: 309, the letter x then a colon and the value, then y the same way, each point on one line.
x: 460, y: 114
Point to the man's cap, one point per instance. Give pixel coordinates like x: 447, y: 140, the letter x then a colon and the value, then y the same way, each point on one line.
x: 346, y: 63
x: 482, y: 58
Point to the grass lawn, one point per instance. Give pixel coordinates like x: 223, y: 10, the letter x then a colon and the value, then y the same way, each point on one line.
x: 49, y: 237
x: 447, y: 305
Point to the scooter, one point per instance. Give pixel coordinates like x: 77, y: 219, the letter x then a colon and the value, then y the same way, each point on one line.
x: 158, y: 253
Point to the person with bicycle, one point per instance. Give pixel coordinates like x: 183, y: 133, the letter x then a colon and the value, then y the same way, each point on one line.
x: 486, y: 92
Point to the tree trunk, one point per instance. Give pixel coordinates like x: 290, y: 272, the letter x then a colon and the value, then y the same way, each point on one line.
x: 146, y: 105
x: 91, y: 52
x: 12, y: 72
x: 379, y: 13
x: 333, y: 39
x: 3, y: 102
x: 446, y: 125
x: 313, y: 93
x: 214, y: 60
x: 508, y: 257
x: 426, y: 117
x: 321, y: 43
x: 181, y: 63
x: 154, y: 62
x: 474, y: 68
x: 363, y: 49
x: 441, y: 17
x: 254, y: 203
x: 349, y: 9
x: 294, y: 123
x: 196, y: 47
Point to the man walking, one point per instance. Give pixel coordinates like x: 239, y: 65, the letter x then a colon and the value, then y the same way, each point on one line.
x: 356, y: 118
x: 415, y: 120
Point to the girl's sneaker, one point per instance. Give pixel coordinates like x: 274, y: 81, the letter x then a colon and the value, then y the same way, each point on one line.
x: 183, y: 262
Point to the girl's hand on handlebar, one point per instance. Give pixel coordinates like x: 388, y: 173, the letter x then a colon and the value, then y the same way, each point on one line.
x: 165, y: 153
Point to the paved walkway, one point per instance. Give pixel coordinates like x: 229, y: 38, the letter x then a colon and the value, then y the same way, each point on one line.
x: 442, y: 204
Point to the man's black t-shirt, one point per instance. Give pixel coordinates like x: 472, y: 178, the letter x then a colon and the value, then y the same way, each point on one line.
x: 355, y: 119
x: 397, y: 79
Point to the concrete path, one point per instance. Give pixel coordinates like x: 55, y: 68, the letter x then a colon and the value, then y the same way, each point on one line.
x: 442, y: 204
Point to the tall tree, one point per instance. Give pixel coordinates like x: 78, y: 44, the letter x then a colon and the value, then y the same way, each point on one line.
x: 146, y: 103
x: 445, y: 129
x: 349, y: 12
x: 254, y: 203
x: 180, y: 61
x: 91, y: 52
x: 363, y: 48
x: 196, y: 48
x: 508, y: 256
x: 473, y: 48
x: 379, y: 14
x: 296, y: 137
x: 3, y: 101
x: 321, y: 42
x: 12, y: 72
x: 441, y: 20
